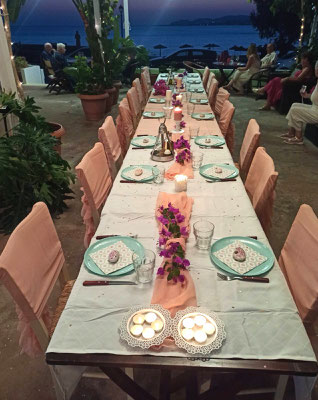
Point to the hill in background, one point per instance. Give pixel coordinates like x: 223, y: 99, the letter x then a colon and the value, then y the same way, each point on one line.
x: 227, y: 20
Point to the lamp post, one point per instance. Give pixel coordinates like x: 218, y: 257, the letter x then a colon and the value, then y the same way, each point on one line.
x: 121, y: 10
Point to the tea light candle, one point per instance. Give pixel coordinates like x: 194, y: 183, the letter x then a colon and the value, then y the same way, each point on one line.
x: 149, y: 333
x: 199, y: 336
x: 136, y: 330
x: 180, y: 183
x: 168, y: 95
x: 187, y: 334
x: 150, y: 317
x: 209, y: 329
x: 138, y: 319
x: 177, y: 114
x: 188, y: 323
x: 157, y: 325
x: 200, y: 320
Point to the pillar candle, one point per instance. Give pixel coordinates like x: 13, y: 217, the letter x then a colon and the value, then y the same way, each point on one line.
x: 177, y: 114
x: 179, y: 82
x: 179, y: 97
x: 168, y: 95
x: 180, y: 183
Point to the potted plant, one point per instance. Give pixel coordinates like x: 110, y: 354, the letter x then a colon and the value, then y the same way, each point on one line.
x: 20, y: 62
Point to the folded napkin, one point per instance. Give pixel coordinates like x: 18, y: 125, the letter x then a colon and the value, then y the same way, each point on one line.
x: 176, y: 169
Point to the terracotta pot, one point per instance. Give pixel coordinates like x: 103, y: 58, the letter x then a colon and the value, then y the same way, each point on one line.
x: 57, y: 131
x: 94, y: 105
x: 117, y: 86
x: 112, y: 94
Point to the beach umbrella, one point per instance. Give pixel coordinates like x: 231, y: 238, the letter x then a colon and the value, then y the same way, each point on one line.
x: 235, y: 48
x: 210, y: 45
x: 242, y: 48
x: 159, y: 47
x: 185, y: 46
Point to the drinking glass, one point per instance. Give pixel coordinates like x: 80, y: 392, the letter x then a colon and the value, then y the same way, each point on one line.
x: 203, y: 231
x: 158, y: 174
x: 194, y: 131
x: 144, y: 266
x: 167, y: 111
x: 190, y: 108
x: 197, y: 158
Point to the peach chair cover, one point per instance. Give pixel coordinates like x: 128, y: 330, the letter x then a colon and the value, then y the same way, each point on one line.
x: 126, y: 129
x: 220, y: 99
x: 94, y: 175
x: 230, y: 137
x: 299, y: 262
x: 146, y: 71
x: 144, y: 86
x: 260, y: 186
x: 226, y: 117
x: 205, y: 77
x: 108, y: 136
x: 209, y: 82
x: 213, y: 90
x: 250, y: 144
x: 137, y: 85
x: 134, y: 105
x: 29, y: 267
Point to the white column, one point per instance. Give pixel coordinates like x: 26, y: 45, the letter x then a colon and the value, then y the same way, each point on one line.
x: 126, y: 18
x: 98, y: 23
x: 7, y: 80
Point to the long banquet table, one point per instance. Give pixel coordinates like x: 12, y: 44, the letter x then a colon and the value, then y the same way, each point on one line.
x: 264, y: 330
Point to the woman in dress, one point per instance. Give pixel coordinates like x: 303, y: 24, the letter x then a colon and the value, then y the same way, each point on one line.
x: 274, y: 87
x: 300, y: 114
x: 243, y: 74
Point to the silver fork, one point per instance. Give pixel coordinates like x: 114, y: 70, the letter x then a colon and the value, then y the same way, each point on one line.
x: 243, y: 278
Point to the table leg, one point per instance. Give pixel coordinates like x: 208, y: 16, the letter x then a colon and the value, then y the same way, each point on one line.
x: 127, y: 384
x: 192, y: 389
x: 165, y: 384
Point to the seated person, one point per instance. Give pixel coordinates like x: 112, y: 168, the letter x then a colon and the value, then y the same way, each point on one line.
x: 60, y: 58
x: 271, y: 57
x: 300, y: 114
x: 243, y: 74
x: 274, y: 88
x: 48, y: 55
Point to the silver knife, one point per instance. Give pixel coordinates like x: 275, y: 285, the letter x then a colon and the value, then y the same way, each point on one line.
x: 106, y: 283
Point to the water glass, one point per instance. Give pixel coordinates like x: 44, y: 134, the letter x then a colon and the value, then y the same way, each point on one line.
x: 194, y: 131
x: 190, y: 108
x: 158, y: 174
x: 144, y: 266
x: 167, y: 111
x: 203, y: 231
x: 197, y: 158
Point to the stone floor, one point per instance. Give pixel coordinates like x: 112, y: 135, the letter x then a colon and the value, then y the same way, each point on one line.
x: 24, y: 378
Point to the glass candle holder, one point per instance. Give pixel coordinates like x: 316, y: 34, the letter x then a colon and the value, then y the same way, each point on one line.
x: 144, y: 266
x: 197, y: 159
x: 158, y: 174
x: 180, y: 183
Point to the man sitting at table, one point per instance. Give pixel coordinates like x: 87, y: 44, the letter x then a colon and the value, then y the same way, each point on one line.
x: 271, y: 57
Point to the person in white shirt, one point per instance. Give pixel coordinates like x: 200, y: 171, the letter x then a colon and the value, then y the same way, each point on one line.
x: 300, y: 114
x: 270, y: 58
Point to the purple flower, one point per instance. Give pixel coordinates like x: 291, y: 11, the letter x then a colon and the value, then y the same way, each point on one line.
x: 180, y: 75
x: 160, y: 271
x: 185, y: 73
x: 177, y: 103
x: 163, y: 220
x: 183, y: 124
x: 180, y: 218
x: 183, y: 231
x: 185, y: 263
x: 160, y: 88
x: 175, y: 280
x: 183, y: 156
x: 161, y: 208
x: 178, y: 260
x: 181, y: 278
x: 165, y: 253
x: 162, y: 241
x: 174, y: 246
x: 165, y: 232
x: 172, y: 209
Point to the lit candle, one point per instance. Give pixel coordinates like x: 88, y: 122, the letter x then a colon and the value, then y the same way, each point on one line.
x: 138, y: 319
x: 149, y: 333
x: 199, y: 336
x: 179, y: 82
x: 157, y: 325
x: 168, y: 95
x: 187, y: 334
x: 136, y: 330
x: 188, y: 323
x: 177, y: 114
x: 150, y: 317
x: 179, y: 97
x: 199, y: 320
x: 209, y: 329
x: 180, y: 183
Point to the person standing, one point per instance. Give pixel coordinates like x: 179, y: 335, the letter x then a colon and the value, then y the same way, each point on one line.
x: 78, y: 39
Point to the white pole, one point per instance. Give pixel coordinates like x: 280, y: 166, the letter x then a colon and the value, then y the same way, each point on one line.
x: 98, y: 23
x: 126, y: 18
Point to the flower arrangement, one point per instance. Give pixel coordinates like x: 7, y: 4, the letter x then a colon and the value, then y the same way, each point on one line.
x: 185, y: 154
x: 181, y: 143
x: 175, y: 102
x: 175, y: 262
x: 160, y: 88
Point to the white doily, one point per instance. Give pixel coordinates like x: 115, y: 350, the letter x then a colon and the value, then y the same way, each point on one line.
x: 158, y: 339
x: 224, y: 174
x: 196, y: 348
x: 253, y: 258
x: 146, y: 173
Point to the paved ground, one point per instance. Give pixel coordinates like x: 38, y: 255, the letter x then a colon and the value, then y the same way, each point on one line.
x: 23, y: 378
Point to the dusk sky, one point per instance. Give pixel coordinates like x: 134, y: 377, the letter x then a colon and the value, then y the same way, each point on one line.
x: 63, y: 12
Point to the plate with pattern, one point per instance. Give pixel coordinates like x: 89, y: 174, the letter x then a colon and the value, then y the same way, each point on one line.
x: 205, y: 168
x: 253, y: 244
x: 205, y: 116
x: 131, y: 243
x: 196, y: 90
x: 153, y: 114
x: 156, y: 101
x: 128, y: 173
x: 214, y: 140
x: 199, y: 101
x: 146, y: 141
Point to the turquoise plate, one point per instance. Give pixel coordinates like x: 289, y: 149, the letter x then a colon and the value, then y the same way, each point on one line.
x: 152, y: 114
x: 253, y: 244
x: 138, y: 141
x: 132, y: 167
x: 202, y: 101
x: 131, y: 243
x: 156, y: 101
x: 193, y: 75
x: 196, y: 90
x: 206, y: 116
x: 207, y: 166
x: 216, y: 141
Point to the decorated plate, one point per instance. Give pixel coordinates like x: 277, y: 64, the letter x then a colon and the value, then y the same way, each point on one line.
x: 214, y: 140
x: 131, y: 243
x: 128, y: 173
x: 196, y: 90
x: 193, y: 75
x: 253, y: 244
x: 199, y: 101
x: 206, y: 116
x: 205, y: 168
x: 158, y: 101
x: 153, y: 114
x: 146, y: 141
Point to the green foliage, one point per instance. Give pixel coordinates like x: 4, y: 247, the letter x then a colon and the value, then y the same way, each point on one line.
x: 142, y: 55
x: 20, y: 62
x: 30, y: 169
x: 14, y: 7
